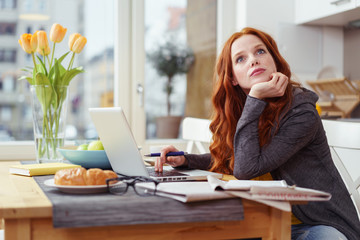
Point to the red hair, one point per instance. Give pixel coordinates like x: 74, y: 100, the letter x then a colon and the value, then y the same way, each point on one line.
x: 228, y: 102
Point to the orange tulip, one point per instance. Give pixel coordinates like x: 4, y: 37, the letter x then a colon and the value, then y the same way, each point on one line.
x: 73, y: 37
x: 79, y: 44
x: 28, y: 42
x: 57, y: 33
x: 44, y: 52
x: 43, y: 43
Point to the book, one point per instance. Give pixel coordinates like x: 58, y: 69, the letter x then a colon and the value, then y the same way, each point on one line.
x: 39, y: 168
x: 269, y: 190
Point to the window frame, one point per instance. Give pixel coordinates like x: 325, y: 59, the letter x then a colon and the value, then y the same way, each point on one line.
x: 125, y: 71
x: 25, y: 150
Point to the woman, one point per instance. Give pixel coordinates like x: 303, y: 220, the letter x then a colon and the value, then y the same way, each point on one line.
x: 265, y: 123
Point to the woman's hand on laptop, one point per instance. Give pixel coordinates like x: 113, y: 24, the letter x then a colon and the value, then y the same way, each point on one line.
x: 173, y: 161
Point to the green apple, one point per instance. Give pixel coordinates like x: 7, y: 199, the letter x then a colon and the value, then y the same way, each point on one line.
x: 83, y: 147
x: 96, y: 145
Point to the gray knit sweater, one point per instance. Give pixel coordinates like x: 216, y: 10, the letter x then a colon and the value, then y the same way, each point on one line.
x: 299, y: 154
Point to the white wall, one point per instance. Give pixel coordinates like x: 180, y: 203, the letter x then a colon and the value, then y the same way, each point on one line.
x: 307, y: 49
x: 264, y: 14
x: 352, y: 54
x: 352, y: 59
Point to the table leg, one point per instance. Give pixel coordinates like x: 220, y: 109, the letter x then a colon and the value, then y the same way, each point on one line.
x: 280, y: 225
x: 17, y: 229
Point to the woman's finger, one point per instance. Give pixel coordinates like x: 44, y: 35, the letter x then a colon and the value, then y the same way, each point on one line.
x: 158, y: 165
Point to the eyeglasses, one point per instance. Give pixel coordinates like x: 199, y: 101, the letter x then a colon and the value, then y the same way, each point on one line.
x: 143, y: 186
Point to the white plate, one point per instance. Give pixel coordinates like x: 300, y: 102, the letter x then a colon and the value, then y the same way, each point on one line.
x: 77, y: 189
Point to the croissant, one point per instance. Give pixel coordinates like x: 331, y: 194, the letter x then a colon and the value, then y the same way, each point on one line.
x: 81, y: 176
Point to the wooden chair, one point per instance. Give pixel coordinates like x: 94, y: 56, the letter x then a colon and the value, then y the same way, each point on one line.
x: 338, y: 96
x: 198, y: 134
x: 344, y: 141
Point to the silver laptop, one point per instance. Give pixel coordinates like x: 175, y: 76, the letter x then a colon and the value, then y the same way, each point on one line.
x: 123, y: 153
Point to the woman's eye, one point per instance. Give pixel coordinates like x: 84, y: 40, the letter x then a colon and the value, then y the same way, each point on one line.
x: 239, y: 59
x: 260, y: 51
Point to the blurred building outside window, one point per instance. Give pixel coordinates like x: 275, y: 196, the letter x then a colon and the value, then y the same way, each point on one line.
x: 86, y: 90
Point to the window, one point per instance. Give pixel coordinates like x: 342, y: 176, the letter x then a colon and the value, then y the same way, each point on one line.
x: 86, y: 90
x: 8, y: 4
x: 184, y: 32
x: 96, y: 87
x: 7, y: 28
x: 7, y: 55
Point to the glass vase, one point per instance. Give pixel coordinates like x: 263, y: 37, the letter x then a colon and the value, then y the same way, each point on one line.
x: 49, y: 107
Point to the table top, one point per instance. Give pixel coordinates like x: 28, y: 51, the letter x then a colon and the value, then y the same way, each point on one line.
x: 20, y: 196
x: 27, y: 212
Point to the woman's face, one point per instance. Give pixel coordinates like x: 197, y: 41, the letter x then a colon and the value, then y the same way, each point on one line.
x: 251, y: 61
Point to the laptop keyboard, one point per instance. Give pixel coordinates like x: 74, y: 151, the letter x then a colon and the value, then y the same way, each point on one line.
x: 164, y: 173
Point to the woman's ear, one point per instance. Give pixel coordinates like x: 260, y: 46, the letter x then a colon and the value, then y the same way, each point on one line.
x: 234, y: 82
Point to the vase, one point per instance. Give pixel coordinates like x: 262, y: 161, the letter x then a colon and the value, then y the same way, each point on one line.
x: 168, y: 126
x: 49, y: 105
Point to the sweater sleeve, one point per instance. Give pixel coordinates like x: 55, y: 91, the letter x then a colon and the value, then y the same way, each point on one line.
x: 295, y: 132
x: 198, y: 161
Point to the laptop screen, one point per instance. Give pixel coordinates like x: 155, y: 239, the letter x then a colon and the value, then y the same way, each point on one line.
x: 118, y: 140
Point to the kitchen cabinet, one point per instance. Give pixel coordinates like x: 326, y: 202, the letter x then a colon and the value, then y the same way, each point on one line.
x: 326, y: 12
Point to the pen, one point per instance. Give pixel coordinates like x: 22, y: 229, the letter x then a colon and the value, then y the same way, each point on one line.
x: 181, y: 153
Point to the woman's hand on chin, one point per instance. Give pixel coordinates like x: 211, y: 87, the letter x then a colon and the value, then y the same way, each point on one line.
x: 274, y: 88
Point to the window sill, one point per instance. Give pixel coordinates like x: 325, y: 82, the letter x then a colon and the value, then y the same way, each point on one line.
x: 17, y: 150
x: 20, y: 150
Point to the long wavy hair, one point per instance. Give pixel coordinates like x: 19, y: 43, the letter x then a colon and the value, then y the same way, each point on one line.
x: 228, y: 103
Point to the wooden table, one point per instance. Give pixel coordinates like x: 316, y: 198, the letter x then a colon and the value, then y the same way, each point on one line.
x: 27, y: 214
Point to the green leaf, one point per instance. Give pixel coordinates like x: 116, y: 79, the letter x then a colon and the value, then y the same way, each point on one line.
x: 63, y: 56
x: 29, y: 79
x: 55, y: 100
x: 57, y: 71
x: 54, y: 74
x: 45, y: 95
x: 27, y: 69
x: 58, y: 78
x: 61, y: 92
x: 45, y: 92
x: 62, y: 70
x: 41, y: 67
x: 41, y: 79
x: 69, y: 75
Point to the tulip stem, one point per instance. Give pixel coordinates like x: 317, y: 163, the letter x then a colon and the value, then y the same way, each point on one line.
x: 52, y: 55
x: 44, y: 59
x: 47, y: 57
x: 34, y: 60
x: 71, y: 61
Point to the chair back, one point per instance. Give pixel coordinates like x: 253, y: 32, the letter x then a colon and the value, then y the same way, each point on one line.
x: 344, y: 142
x: 198, y: 134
